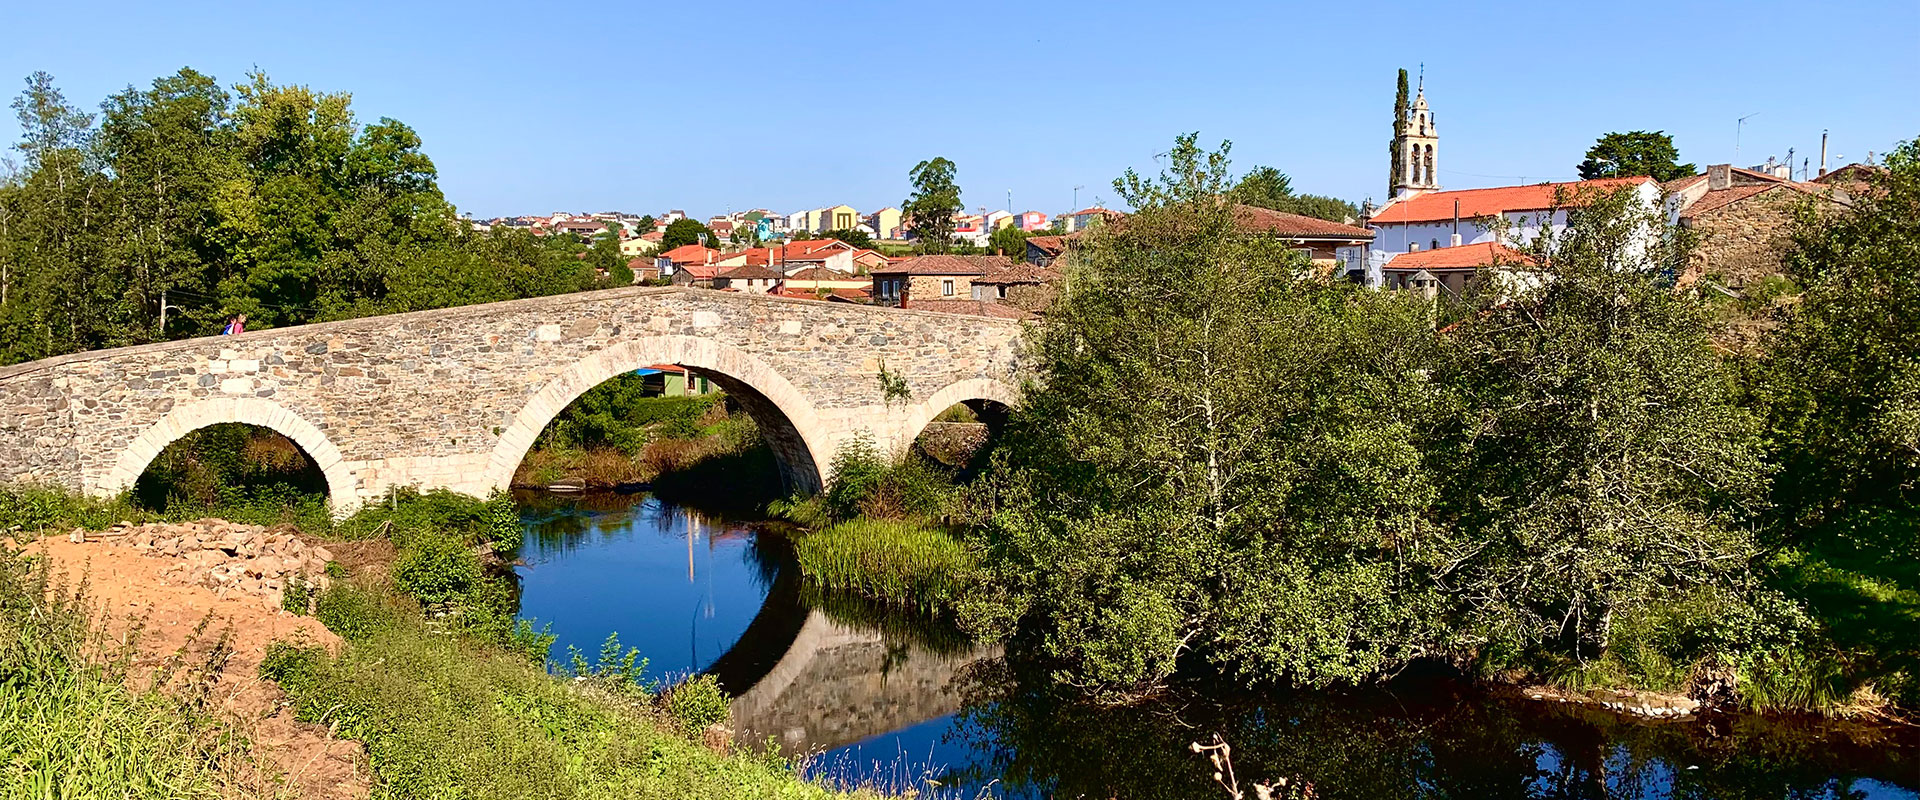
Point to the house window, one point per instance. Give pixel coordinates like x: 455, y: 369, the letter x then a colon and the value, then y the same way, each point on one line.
x: 1434, y: 245
x: 946, y: 287
x: 1000, y: 292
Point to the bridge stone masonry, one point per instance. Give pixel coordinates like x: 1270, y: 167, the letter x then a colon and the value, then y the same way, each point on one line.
x: 454, y: 398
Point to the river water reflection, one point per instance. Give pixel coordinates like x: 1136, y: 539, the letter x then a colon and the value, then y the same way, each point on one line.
x: 903, y: 705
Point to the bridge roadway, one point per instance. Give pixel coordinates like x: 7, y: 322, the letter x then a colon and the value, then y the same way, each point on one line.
x: 453, y: 398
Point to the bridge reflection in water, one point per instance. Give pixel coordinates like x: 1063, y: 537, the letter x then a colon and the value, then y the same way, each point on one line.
x: 814, y: 672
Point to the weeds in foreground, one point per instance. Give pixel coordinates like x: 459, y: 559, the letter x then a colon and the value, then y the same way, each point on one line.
x: 445, y: 716
x: 75, y: 723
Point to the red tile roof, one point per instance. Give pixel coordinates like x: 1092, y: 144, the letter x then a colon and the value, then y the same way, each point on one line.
x: 1438, y: 206
x: 690, y: 254
x: 1466, y: 256
x: 945, y: 265
x: 1253, y: 219
x: 1721, y: 198
x: 1019, y: 273
x: 1050, y: 245
x: 822, y: 274
x: 699, y: 271
x: 750, y: 272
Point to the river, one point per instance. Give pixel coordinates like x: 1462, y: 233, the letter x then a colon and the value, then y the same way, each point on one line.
x: 866, y: 697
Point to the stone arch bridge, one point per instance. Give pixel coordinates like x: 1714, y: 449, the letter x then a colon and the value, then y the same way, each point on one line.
x: 453, y: 398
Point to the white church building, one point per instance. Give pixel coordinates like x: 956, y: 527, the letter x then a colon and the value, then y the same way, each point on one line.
x: 1422, y: 218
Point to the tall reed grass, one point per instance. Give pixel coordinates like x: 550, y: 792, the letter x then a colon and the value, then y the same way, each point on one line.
x: 895, y: 561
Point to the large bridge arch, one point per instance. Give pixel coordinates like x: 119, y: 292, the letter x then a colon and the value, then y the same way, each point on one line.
x: 187, y: 418
x: 800, y: 440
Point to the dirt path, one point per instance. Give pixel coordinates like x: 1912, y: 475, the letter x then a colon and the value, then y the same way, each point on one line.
x: 127, y: 585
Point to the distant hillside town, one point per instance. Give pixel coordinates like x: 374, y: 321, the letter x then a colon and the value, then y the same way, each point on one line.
x: 1424, y: 238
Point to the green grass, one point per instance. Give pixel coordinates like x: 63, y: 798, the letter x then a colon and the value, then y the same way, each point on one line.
x: 895, y: 561
x: 445, y: 716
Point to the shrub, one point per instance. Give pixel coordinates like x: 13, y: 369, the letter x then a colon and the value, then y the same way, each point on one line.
x: 436, y: 569
x: 697, y: 704
x: 297, y: 596
x: 353, y: 611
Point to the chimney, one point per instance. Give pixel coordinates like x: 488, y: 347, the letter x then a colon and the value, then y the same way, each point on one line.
x: 1719, y: 176
x: 1413, y: 247
x: 1823, y: 154
x: 1455, y: 241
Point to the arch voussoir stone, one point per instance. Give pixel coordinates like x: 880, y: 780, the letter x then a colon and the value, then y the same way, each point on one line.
x: 190, y: 417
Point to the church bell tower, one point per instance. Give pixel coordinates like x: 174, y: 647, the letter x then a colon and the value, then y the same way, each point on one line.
x: 1418, y: 138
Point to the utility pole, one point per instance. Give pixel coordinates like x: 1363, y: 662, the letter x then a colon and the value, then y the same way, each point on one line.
x: 163, y: 313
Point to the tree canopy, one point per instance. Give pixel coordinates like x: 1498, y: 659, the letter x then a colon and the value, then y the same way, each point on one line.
x: 265, y: 200
x: 931, y: 206
x: 682, y: 232
x: 1230, y: 465
x: 1621, y: 155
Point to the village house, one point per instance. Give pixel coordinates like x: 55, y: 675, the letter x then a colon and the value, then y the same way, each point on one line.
x: 1087, y: 217
x: 1448, y: 269
x: 1042, y: 251
x: 749, y: 278
x: 641, y: 245
x: 689, y: 264
x: 821, y: 279
x: 643, y: 269
x: 928, y: 278
x: 1031, y: 221
x: 887, y: 223
x: 1023, y: 286
x: 1333, y: 248
x: 1742, y: 218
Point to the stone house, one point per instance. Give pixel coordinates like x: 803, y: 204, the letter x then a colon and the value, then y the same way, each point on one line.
x: 1743, y: 219
x: 1022, y: 286
x: 750, y: 278
x: 929, y: 278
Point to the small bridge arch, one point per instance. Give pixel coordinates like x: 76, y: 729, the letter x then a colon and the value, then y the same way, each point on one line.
x: 189, y: 417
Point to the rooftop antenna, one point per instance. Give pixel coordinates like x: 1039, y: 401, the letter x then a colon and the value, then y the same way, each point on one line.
x: 1076, y: 197
x: 1736, y: 134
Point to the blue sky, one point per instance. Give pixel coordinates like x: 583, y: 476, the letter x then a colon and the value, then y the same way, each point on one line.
x: 532, y: 107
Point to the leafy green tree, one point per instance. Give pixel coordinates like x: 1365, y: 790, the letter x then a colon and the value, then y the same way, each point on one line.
x: 1596, y: 463
x: 1841, y: 379
x: 1264, y: 187
x: 1620, y: 155
x: 930, y: 209
x: 1009, y: 241
x: 684, y: 232
x: 857, y: 238
x: 269, y: 201
x: 1217, y: 452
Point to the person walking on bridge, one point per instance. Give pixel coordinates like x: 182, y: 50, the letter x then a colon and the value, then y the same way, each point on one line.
x: 236, y: 325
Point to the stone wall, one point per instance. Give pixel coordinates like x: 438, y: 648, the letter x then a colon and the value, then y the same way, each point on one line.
x: 453, y: 398
x: 1741, y: 242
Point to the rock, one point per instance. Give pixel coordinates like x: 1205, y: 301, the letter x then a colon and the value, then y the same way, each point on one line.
x: 78, y: 536
x: 323, y: 555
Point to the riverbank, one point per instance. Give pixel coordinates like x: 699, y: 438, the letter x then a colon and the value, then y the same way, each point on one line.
x: 410, y: 656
